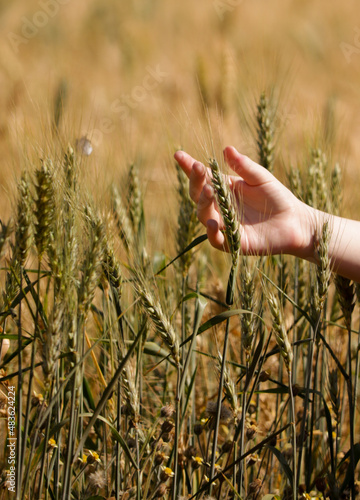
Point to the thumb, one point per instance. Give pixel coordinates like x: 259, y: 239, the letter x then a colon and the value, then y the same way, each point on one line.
x: 252, y: 173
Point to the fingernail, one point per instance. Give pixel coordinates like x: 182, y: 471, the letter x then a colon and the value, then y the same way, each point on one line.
x: 178, y: 155
x: 212, y: 225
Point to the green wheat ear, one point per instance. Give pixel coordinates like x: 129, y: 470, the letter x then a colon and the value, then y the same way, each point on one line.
x: 317, y: 195
x: 231, y: 222
x: 227, y: 210
x: 279, y: 329
x: 188, y: 222
x: 44, y: 207
x: 24, y: 221
x: 92, y: 263
x: 265, y: 132
x: 122, y: 219
x: 248, y: 303
x: 134, y: 198
x: 153, y: 309
x: 323, y: 272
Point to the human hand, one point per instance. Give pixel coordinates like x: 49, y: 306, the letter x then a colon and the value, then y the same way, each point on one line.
x: 272, y: 219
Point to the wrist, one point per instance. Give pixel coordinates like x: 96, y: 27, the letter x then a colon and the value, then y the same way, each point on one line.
x: 307, y: 228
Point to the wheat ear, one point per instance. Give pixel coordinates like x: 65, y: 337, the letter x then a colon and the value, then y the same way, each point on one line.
x: 153, y: 310
x: 227, y: 210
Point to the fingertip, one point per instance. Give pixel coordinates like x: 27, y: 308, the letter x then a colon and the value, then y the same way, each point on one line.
x: 208, y: 191
x: 212, y: 225
x: 199, y: 169
x: 250, y: 171
x: 185, y: 161
x: 232, y: 155
x: 179, y: 155
x: 215, y: 236
x: 229, y: 149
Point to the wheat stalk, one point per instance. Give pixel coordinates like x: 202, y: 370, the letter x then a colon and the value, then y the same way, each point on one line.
x: 232, y: 232
x: 286, y: 353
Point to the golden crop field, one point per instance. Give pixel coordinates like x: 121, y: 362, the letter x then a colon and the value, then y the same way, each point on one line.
x: 136, y: 360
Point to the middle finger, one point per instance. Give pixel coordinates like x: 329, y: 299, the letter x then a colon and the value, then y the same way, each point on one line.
x: 197, y: 180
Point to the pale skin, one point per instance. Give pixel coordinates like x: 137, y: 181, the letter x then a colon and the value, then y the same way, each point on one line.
x: 272, y: 219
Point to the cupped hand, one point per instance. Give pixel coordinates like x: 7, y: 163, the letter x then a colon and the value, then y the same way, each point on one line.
x: 272, y: 219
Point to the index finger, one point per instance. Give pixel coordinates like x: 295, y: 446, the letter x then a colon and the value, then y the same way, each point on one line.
x: 185, y: 161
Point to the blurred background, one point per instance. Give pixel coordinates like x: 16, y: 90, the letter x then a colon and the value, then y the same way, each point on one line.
x: 135, y: 76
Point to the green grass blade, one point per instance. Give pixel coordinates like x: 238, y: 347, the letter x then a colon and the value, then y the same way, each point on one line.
x: 283, y: 462
x: 107, y: 392
x: 115, y: 434
x: 193, y: 244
